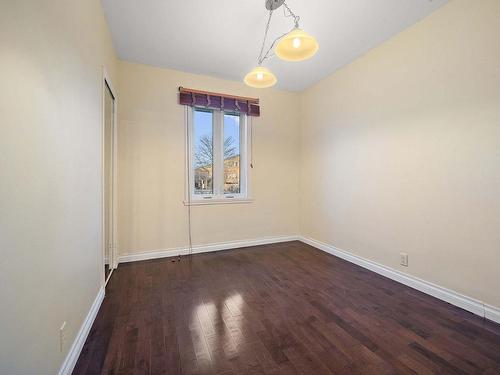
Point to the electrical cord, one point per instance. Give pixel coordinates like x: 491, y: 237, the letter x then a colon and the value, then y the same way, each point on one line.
x: 249, y: 123
x: 296, y: 18
x: 188, y: 169
x: 190, y: 239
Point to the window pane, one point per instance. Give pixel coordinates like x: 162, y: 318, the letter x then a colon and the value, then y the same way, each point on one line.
x: 231, y: 154
x: 203, y: 152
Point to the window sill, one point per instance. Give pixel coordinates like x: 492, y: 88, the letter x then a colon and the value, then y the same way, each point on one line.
x: 210, y: 202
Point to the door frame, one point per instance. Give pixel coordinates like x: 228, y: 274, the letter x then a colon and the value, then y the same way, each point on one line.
x: 113, y: 261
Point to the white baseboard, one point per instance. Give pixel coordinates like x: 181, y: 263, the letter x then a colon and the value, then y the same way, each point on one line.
x: 173, y: 252
x: 492, y: 313
x: 444, y: 294
x: 74, y: 352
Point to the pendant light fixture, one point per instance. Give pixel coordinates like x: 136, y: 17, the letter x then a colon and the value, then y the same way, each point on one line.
x: 261, y: 78
x: 295, y: 45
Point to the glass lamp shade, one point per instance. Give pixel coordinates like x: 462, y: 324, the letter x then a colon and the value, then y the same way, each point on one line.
x: 297, y: 45
x: 260, y: 77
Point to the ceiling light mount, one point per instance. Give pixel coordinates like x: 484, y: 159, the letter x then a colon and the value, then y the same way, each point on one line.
x: 274, y: 4
x: 295, y: 45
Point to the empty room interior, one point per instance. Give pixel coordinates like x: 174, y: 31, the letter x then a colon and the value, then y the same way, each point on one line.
x: 269, y: 187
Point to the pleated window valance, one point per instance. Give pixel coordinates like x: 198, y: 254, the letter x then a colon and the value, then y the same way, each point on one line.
x: 198, y: 98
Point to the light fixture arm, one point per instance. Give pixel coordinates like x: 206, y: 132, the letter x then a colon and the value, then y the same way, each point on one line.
x: 261, y: 59
x: 296, y: 18
x: 268, y: 54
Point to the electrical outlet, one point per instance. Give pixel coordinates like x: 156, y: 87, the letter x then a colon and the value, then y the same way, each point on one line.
x: 404, y: 259
x: 62, y: 336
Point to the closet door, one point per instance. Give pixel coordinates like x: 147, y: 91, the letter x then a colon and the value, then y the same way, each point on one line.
x: 109, y: 180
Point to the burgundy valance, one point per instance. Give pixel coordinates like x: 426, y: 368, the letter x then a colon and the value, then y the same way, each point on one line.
x: 198, y: 98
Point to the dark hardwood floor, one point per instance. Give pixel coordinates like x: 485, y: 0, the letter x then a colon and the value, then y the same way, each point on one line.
x: 278, y: 309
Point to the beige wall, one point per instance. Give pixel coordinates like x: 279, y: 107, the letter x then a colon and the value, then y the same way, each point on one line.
x: 400, y: 152
x: 50, y: 175
x: 151, y: 165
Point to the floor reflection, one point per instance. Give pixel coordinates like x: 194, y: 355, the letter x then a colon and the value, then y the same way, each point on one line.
x: 216, y: 328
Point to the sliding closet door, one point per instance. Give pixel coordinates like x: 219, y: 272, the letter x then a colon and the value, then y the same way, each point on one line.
x: 109, y: 152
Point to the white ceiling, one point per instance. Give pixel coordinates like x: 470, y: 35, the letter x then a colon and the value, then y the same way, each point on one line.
x: 222, y: 38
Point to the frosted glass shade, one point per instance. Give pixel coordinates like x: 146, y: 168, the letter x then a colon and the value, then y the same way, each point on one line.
x: 260, y: 77
x: 297, y: 45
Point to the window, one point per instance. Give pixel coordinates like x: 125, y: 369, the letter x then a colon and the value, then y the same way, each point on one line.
x: 232, y: 141
x: 203, y: 160
x: 218, y: 157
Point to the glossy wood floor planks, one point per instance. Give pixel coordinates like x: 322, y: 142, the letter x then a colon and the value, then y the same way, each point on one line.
x: 278, y: 309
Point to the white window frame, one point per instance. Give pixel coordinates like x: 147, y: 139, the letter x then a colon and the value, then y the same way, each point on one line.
x: 218, y: 196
